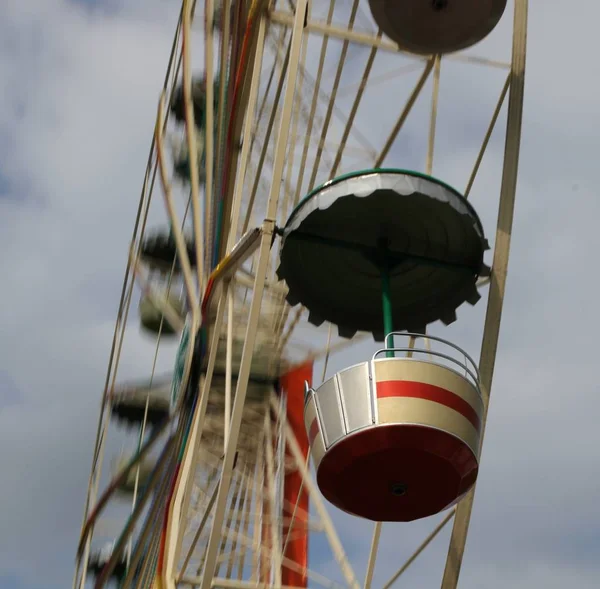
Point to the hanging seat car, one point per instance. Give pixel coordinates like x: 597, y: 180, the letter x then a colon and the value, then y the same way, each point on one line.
x: 198, y: 101
x: 159, y: 252
x: 384, y: 251
x: 152, y: 319
x: 98, y: 559
x: 129, y: 404
x: 397, y: 438
x: 146, y: 468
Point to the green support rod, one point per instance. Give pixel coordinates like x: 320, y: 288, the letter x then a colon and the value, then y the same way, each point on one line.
x: 387, y: 305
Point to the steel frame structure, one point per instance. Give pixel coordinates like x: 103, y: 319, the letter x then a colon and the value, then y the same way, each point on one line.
x: 247, y: 266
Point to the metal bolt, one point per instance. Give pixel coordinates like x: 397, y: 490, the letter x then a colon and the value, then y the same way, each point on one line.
x: 439, y: 4
x: 398, y: 489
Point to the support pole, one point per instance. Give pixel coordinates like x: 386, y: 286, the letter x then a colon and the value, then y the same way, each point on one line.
x: 491, y: 329
x: 373, y: 555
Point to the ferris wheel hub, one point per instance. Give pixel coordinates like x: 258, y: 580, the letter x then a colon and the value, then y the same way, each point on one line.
x: 437, y: 26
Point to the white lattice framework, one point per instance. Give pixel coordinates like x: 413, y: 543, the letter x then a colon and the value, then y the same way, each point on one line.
x: 322, y: 93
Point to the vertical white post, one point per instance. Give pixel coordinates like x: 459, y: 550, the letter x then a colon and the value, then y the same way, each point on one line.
x: 228, y: 365
x: 491, y: 329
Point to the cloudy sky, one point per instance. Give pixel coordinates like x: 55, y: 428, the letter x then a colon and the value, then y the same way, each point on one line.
x: 80, y: 82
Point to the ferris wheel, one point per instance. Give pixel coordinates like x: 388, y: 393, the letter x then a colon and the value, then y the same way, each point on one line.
x: 294, y: 278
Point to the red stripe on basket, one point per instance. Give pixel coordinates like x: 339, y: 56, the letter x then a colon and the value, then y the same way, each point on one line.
x: 313, y: 430
x: 429, y: 392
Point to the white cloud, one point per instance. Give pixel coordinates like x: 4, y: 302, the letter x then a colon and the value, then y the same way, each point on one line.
x: 81, y: 88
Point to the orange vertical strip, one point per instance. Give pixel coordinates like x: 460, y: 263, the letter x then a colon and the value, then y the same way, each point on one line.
x: 264, y: 570
x: 292, y: 385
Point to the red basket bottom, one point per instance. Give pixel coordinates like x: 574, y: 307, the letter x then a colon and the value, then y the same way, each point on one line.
x: 397, y: 472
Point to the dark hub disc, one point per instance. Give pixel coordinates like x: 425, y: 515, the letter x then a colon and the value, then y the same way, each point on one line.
x: 332, y: 259
x: 428, y: 27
